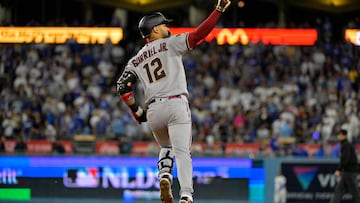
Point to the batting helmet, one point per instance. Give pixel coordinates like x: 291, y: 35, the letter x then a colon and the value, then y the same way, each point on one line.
x: 147, y: 23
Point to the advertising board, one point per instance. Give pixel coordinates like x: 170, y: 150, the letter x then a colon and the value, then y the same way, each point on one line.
x: 125, y: 178
x: 311, y: 182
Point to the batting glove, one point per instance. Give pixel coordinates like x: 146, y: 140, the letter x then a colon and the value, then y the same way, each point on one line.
x: 222, y: 5
x: 138, y: 113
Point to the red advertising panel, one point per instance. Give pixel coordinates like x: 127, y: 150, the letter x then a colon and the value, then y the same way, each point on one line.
x: 250, y: 149
x: 144, y: 148
x: 274, y: 36
x: 9, y: 146
x: 39, y: 147
x: 107, y: 147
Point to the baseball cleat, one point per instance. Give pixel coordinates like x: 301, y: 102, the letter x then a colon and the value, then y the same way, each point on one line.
x: 166, y: 195
x: 185, y: 200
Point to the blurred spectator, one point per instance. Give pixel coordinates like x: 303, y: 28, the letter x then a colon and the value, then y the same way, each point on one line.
x: 298, y: 151
x: 325, y: 150
x: 58, y: 147
x: 9, y: 124
x: 321, y: 152
x: 20, y: 146
x: 286, y: 129
x: 263, y: 132
x: 125, y: 145
x: 275, y: 145
x: 36, y: 130
x: 2, y: 147
x: 117, y: 125
x: 335, y: 151
x: 50, y: 132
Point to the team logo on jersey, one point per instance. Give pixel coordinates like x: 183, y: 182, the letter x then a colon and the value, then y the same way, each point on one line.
x: 305, y: 175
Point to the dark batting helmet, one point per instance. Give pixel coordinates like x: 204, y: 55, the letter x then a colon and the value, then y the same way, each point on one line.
x: 147, y: 23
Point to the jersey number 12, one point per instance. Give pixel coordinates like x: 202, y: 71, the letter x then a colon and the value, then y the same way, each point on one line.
x: 154, y: 70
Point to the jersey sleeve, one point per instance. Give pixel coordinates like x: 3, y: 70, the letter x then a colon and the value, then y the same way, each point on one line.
x: 179, y: 43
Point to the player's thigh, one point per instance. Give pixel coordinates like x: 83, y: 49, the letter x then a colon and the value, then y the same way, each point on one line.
x: 158, y: 122
x: 179, y: 112
x: 180, y: 124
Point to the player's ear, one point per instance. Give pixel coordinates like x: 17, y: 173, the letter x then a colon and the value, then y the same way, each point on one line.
x: 155, y: 29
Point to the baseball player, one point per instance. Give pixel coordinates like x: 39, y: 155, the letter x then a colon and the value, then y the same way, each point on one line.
x: 158, y: 66
x: 280, y: 191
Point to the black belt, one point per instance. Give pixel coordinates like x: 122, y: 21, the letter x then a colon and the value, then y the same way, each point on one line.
x: 169, y: 97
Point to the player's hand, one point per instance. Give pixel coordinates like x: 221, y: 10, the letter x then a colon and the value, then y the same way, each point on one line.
x: 222, y: 5
x: 337, y: 173
x: 139, y: 114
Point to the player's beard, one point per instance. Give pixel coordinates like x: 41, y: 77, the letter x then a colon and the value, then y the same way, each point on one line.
x: 168, y: 34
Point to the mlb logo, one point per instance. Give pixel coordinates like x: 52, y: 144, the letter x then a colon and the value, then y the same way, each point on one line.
x: 81, y: 178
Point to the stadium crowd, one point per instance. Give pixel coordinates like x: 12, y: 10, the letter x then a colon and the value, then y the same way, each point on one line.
x: 238, y: 94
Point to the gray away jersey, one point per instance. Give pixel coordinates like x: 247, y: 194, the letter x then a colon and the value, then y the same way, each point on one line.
x: 159, y: 67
